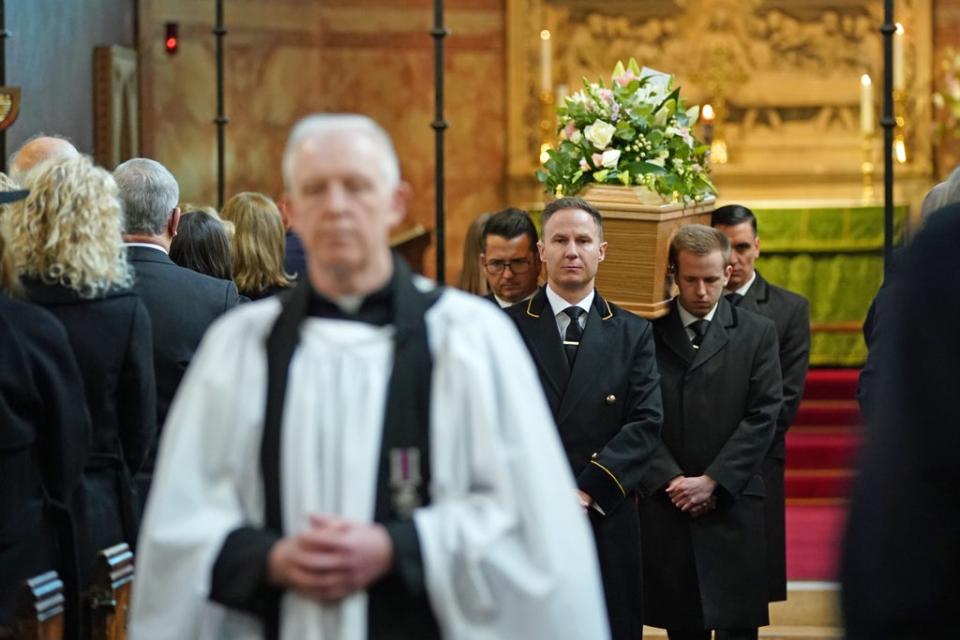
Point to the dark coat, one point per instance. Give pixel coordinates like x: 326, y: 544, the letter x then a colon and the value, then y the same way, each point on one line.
x: 902, y: 544
x: 111, y: 339
x: 608, y: 415
x: 720, y: 408
x: 791, y: 315
x: 182, y: 304
x: 44, y: 442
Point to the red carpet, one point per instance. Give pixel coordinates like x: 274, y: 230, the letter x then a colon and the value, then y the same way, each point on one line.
x: 813, y: 541
x: 821, y: 448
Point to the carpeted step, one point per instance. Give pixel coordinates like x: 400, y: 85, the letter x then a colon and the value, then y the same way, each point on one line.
x: 835, y: 449
x: 818, y: 483
x: 814, y: 534
x: 831, y: 384
x: 827, y: 413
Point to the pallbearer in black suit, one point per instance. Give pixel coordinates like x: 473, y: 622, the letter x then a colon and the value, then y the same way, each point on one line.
x: 702, y: 513
x: 597, y: 366
x: 182, y: 303
x: 791, y: 314
x: 509, y: 257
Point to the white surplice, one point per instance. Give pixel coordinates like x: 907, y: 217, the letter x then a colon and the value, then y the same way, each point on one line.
x: 507, y: 551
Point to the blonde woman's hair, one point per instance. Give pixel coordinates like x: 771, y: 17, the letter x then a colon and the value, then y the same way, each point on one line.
x: 258, y: 244
x: 68, y: 230
x: 471, y: 275
x: 9, y: 283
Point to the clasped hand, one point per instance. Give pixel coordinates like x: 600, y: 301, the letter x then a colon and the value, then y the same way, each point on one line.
x: 332, y: 559
x: 693, y: 495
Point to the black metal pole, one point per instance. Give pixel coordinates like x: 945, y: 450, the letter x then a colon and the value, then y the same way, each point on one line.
x: 888, y: 122
x: 221, y: 120
x: 439, y: 32
x: 4, y: 34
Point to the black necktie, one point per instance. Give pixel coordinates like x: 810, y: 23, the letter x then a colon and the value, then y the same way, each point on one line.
x: 734, y: 298
x: 571, y: 340
x: 699, y: 329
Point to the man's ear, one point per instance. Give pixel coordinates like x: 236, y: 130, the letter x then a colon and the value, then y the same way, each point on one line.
x: 602, y: 254
x: 726, y: 274
x: 398, y: 205
x: 173, y: 222
x: 757, y: 241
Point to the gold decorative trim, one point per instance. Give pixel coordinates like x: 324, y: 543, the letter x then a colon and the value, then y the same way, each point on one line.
x: 530, y: 313
x: 610, y: 473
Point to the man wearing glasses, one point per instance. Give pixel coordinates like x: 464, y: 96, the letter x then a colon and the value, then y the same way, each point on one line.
x: 509, y: 258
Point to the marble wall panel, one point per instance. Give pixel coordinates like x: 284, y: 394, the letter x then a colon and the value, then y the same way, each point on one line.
x: 289, y: 58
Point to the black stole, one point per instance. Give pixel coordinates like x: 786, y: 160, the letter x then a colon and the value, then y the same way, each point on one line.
x: 393, y: 611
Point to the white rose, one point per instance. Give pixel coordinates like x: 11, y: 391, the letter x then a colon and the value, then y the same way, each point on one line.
x: 610, y: 158
x: 599, y: 133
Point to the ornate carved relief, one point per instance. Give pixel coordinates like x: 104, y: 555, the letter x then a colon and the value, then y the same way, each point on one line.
x: 786, y: 73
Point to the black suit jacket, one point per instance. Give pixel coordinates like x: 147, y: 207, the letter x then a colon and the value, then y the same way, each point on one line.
x: 720, y: 408
x: 791, y: 315
x: 44, y: 443
x: 111, y: 339
x: 609, y: 412
x: 182, y: 304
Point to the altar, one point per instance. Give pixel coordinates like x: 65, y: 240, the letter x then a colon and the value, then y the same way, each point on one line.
x: 830, y: 252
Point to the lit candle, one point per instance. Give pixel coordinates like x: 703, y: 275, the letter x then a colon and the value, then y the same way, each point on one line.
x: 545, y: 62
x: 898, y: 76
x: 708, y: 115
x: 866, y: 104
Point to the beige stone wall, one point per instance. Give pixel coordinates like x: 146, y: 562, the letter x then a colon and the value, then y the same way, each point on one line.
x: 287, y: 58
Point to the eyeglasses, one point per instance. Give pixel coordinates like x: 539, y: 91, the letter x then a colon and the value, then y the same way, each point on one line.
x: 518, y: 267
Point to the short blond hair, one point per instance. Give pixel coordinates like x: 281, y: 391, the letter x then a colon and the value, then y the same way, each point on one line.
x: 68, y: 230
x: 258, y: 243
x: 700, y: 240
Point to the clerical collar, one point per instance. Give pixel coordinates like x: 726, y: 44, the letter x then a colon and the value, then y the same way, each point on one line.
x: 145, y: 245
x: 743, y: 290
x: 558, y: 304
x: 506, y: 303
x: 688, y: 318
x: 375, y: 309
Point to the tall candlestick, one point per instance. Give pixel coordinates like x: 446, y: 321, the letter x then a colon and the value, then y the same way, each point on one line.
x: 898, y: 71
x: 866, y: 104
x: 546, y: 62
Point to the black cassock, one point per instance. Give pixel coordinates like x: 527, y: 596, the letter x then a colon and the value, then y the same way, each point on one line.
x: 398, y: 608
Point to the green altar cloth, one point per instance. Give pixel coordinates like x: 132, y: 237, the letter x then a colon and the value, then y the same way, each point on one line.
x: 831, y: 253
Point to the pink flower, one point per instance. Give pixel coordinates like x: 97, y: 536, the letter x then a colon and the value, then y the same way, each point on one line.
x: 606, y: 95
x: 597, y: 159
x: 569, y: 129
x: 624, y: 80
x: 584, y: 165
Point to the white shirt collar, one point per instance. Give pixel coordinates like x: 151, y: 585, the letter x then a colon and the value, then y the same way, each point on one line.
x: 147, y: 245
x: 504, y: 303
x: 688, y: 318
x: 743, y: 290
x: 558, y: 304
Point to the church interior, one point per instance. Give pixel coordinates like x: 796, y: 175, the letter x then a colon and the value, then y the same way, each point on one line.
x: 795, y: 132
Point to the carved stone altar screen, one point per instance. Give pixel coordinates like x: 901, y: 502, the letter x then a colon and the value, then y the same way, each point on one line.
x: 786, y: 75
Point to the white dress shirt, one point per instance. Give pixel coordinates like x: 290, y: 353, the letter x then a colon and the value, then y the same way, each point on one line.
x: 688, y: 318
x: 145, y: 244
x: 743, y: 290
x: 558, y: 304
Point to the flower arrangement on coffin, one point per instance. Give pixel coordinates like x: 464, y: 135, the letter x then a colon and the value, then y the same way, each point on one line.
x: 636, y: 132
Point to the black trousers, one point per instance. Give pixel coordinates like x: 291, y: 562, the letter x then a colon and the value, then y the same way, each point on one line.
x: 617, y: 538
x: 722, y: 634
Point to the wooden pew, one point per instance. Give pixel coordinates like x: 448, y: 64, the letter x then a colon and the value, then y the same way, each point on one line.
x: 109, y: 593
x: 39, y: 610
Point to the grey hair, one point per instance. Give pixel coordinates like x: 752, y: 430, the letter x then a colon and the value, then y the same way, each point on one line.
x: 320, y: 124
x: 148, y: 193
